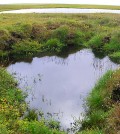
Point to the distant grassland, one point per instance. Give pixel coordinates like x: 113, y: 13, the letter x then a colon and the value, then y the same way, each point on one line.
x: 30, y: 6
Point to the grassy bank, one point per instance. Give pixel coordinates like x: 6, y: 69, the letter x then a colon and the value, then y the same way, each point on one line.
x: 28, y: 35
x: 13, y: 107
x: 103, y: 114
x: 35, y: 6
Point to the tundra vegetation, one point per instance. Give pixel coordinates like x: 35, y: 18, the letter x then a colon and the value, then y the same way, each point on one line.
x: 103, y: 114
x: 13, y: 119
x: 28, y: 35
x: 5, y: 7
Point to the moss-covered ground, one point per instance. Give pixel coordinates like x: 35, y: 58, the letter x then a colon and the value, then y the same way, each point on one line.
x: 7, y: 7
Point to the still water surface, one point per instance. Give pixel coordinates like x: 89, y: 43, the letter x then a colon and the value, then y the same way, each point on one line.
x: 63, y: 10
x: 59, y: 86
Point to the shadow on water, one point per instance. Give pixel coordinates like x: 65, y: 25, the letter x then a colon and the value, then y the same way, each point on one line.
x: 28, y: 58
x: 59, y: 86
x: 64, y: 54
x: 99, y: 55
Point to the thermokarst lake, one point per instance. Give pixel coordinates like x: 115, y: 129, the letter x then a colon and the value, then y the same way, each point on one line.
x: 62, y: 10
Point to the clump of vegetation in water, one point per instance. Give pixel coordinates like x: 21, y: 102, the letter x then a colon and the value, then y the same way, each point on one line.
x: 13, y: 108
x: 104, y: 106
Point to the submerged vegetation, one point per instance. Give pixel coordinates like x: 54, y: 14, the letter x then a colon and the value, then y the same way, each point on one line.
x: 103, y: 115
x: 27, y: 35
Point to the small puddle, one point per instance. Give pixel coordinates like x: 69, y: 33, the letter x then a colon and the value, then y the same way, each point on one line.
x: 59, y: 86
x: 63, y: 10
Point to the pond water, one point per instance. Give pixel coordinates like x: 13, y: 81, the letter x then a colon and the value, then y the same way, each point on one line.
x: 59, y: 86
x: 62, y: 10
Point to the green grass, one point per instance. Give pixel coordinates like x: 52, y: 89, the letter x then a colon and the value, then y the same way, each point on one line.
x: 30, y: 6
x: 103, y: 109
x: 13, y: 107
x: 29, y: 35
x: 26, y: 48
x: 115, y: 57
x: 53, y: 45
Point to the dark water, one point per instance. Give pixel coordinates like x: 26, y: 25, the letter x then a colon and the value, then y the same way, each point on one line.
x: 59, y: 86
x: 63, y: 10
